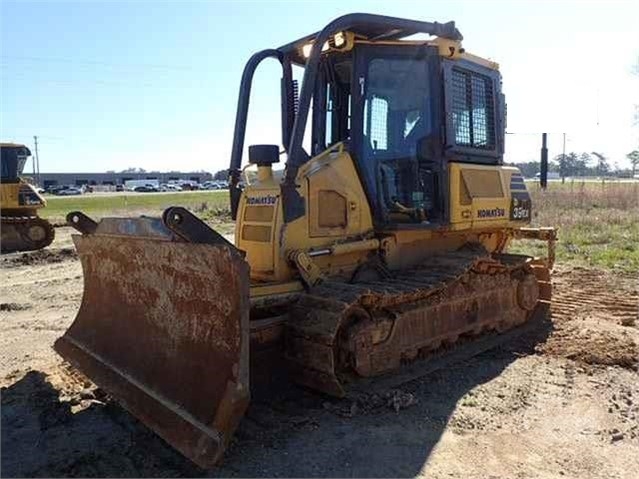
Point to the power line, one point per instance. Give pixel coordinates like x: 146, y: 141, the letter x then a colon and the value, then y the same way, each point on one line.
x: 134, y: 84
x: 91, y: 70
x: 100, y: 63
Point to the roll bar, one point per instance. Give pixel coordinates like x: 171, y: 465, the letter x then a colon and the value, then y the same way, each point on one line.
x: 241, y: 114
x: 375, y: 26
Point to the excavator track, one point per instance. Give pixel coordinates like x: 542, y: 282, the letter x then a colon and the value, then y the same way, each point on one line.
x: 25, y: 233
x: 344, y: 337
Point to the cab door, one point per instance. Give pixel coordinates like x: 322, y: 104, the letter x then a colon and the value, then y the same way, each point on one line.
x: 396, y: 133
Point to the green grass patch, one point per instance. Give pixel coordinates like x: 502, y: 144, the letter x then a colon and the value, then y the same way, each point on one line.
x: 208, y: 204
x: 598, y: 224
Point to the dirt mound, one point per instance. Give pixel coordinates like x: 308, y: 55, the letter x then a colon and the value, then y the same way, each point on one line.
x: 580, y: 293
x: 43, y: 256
x: 594, y: 314
x: 593, y: 346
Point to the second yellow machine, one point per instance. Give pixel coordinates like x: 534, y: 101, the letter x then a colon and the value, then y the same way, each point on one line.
x: 21, y: 229
x: 383, y: 240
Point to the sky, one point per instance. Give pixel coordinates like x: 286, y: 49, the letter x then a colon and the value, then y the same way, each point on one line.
x: 154, y: 84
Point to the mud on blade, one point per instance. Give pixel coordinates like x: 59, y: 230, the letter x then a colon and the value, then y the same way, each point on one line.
x: 163, y: 328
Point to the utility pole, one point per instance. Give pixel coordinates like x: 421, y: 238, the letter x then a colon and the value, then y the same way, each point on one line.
x: 33, y: 160
x: 543, y: 164
x: 36, y: 162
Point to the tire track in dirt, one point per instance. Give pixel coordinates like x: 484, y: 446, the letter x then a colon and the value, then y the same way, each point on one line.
x: 595, y: 316
x: 40, y: 257
x: 590, y: 291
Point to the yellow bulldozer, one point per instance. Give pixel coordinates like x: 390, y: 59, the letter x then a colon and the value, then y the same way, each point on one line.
x: 21, y: 229
x: 381, y: 244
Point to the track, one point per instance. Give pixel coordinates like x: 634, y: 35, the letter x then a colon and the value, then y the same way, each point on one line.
x: 413, y: 323
x: 464, y: 349
x: 28, y: 233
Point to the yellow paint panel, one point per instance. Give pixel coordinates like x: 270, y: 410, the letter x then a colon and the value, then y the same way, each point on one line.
x: 332, y: 209
x: 260, y: 214
x: 257, y: 233
x: 337, y: 205
x: 483, y: 183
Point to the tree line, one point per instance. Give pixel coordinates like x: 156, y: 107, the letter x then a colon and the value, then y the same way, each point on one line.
x: 583, y: 164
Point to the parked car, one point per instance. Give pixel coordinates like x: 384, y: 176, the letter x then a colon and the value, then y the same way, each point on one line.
x: 131, y: 185
x: 170, y: 187
x: 189, y: 185
x: 210, y: 185
x: 146, y: 189
x: 215, y: 185
x: 552, y: 175
x: 53, y: 189
x: 69, y: 191
x: 119, y: 187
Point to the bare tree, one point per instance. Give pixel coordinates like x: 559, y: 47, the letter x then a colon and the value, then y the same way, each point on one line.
x: 603, y: 166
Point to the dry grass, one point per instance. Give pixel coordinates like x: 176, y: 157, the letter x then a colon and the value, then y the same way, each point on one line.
x: 598, y: 223
x: 586, y: 195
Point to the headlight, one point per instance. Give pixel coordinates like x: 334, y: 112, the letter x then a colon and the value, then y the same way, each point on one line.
x: 306, y: 50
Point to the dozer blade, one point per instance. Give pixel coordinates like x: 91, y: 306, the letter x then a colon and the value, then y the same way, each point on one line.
x: 163, y: 328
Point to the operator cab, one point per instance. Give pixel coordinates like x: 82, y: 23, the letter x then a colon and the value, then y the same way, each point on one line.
x: 388, y: 126
x: 13, y: 157
x: 384, y: 96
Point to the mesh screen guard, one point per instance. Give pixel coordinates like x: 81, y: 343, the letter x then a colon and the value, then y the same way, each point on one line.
x: 473, y: 109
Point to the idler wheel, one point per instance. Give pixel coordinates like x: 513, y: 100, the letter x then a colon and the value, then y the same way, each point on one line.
x: 528, y: 292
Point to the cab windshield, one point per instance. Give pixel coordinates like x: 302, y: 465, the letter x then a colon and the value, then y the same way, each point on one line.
x: 12, y: 161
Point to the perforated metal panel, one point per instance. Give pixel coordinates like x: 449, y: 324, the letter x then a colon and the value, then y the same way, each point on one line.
x: 473, y: 109
x: 376, y: 123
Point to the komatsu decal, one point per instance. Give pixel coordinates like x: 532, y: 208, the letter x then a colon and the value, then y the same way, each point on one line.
x: 520, y: 207
x: 491, y: 213
x: 261, y: 200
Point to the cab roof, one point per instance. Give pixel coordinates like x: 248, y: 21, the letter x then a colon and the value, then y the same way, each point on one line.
x: 24, y: 148
x: 374, y: 28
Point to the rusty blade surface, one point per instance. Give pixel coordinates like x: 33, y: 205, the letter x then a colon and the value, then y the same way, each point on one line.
x: 163, y: 327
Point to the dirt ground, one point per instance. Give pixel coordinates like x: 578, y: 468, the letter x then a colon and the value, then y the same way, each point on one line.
x: 561, y: 401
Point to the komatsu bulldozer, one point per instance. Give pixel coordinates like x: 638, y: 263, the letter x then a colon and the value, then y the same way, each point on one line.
x: 383, y: 241
x: 21, y: 229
